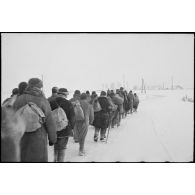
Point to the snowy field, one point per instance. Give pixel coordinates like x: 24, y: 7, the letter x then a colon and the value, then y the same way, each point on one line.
x: 162, y: 130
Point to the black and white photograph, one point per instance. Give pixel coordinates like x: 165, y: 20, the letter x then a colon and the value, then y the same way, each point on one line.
x: 97, y: 97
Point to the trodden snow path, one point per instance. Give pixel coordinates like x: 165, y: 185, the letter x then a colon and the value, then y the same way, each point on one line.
x: 161, y: 130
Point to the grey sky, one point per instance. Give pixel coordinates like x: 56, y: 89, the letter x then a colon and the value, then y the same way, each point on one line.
x: 85, y: 61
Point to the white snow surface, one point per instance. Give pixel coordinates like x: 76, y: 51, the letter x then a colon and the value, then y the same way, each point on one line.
x: 162, y: 130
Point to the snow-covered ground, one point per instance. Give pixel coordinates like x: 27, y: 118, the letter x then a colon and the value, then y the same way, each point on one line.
x: 161, y: 130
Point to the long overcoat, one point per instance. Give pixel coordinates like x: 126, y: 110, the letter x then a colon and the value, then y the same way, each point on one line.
x: 34, y: 144
x: 101, y: 118
x: 81, y: 127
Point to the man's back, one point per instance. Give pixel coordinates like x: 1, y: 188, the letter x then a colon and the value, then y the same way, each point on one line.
x: 67, y: 106
x: 88, y: 111
x: 104, y: 103
x: 52, y: 97
x: 131, y: 96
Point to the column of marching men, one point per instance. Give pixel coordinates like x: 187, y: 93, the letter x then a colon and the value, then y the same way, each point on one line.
x: 30, y: 121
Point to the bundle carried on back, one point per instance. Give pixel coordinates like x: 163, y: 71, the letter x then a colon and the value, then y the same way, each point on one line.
x: 96, y: 106
x: 32, y: 115
x: 117, y: 100
x: 113, y: 106
x: 60, y: 118
x: 79, y: 114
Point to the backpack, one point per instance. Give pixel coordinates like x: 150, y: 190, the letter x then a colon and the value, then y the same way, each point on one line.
x: 60, y: 118
x: 112, y: 106
x: 96, y: 106
x: 118, y: 100
x: 32, y: 115
x: 79, y: 114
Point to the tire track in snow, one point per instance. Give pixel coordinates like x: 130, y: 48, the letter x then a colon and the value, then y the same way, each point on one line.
x: 160, y: 140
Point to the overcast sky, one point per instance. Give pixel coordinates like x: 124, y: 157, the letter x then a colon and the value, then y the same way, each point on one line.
x: 86, y: 61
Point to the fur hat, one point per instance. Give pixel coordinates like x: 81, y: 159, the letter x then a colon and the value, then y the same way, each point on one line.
x: 93, y: 93
x: 103, y: 93
x: 54, y: 89
x: 63, y: 91
x: 112, y: 93
x: 77, y: 92
x: 15, y: 91
x: 35, y: 82
x: 22, y: 86
x: 87, y: 92
x: 83, y: 96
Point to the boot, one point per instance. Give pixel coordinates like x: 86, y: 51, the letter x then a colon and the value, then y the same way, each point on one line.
x: 81, y: 153
x: 95, y: 138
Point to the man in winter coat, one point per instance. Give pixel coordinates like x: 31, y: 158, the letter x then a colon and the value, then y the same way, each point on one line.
x: 93, y: 97
x: 76, y: 97
x: 113, y: 111
x: 81, y: 126
x: 125, y: 103
x: 34, y: 144
x: 131, y: 97
x: 101, y: 120
x: 54, y: 94
x: 88, y: 96
x: 63, y: 135
x: 135, y: 102
x: 118, y: 100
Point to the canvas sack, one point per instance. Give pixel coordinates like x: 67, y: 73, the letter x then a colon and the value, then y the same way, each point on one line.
x: 33, y: 116
x: 79, y: 114
x: 60, y: 118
